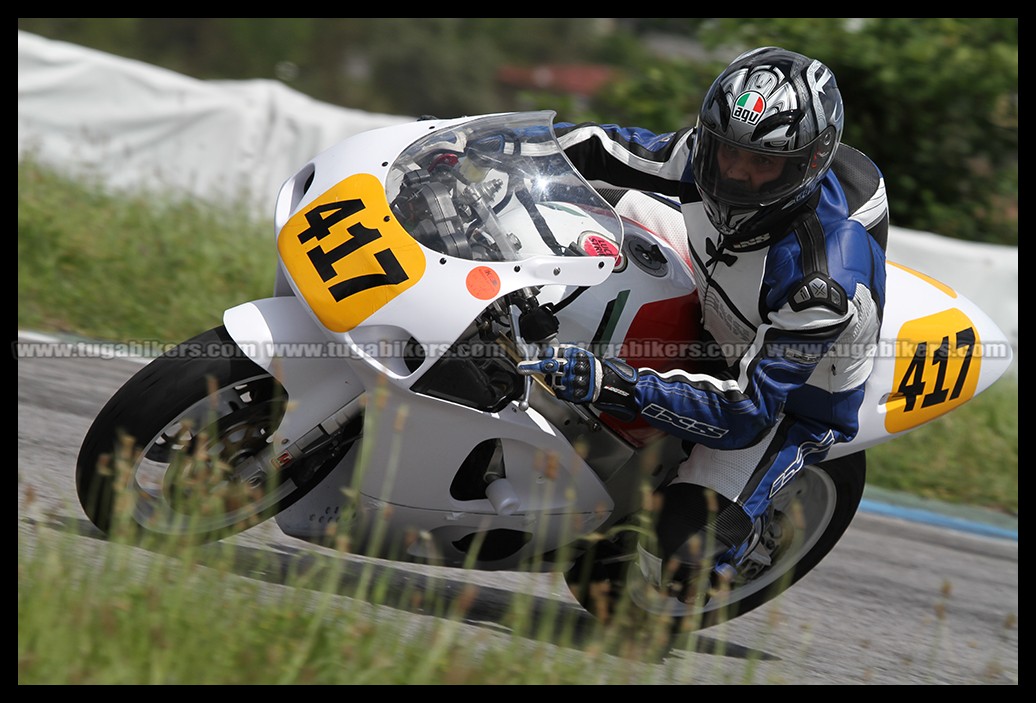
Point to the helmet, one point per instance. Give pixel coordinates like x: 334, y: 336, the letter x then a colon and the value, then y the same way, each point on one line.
x: 767, y: 133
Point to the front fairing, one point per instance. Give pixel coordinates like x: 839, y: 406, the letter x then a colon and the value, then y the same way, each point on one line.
x: 400, y: 237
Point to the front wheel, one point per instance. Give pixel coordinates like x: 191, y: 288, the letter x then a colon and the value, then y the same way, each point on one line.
x: 810, y: 516
x: 184, y: 448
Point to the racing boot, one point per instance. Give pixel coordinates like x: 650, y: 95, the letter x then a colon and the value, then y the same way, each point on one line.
x: 698, y: 530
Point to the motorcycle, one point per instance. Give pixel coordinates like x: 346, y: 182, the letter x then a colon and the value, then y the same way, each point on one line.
x: 375, y: 395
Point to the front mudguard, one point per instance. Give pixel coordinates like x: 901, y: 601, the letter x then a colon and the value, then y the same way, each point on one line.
x: 280, y: 335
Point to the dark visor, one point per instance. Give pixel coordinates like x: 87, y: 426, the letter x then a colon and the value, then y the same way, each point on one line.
x: 715, y: 152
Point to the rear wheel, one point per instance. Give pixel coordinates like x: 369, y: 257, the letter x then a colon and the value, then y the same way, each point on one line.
x: 184, y: 448
x: 810, y: 516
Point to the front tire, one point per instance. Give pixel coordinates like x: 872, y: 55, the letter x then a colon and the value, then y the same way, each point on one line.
x: 815, y: 510
x: 183, y: 448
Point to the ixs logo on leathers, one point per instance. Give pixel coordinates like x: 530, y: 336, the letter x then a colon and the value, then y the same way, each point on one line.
x: 804, y: 450
x: 688, y: 424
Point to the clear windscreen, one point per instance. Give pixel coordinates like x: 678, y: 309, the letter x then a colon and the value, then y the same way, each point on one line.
x: 499, y: 188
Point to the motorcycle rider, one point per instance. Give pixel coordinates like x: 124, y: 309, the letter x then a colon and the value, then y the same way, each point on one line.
x: 786, y: 229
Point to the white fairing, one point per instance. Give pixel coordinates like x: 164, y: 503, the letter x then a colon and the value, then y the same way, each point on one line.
x: 402, y: 474
x: 280, y: 337
x: 921, y: 309
x: 412, y: 448
x: 444, y: 287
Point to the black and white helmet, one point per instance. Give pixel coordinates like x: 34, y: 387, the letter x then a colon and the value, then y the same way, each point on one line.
x: 774, y: 106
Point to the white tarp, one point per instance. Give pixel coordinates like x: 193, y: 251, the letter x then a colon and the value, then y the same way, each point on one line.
x: 985, y: 273
x: 138, y: 126
x: 135, y: 125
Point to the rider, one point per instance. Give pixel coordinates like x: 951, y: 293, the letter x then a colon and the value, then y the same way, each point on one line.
x: 786, y: 229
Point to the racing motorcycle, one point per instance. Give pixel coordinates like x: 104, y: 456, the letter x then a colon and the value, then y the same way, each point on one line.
x: 375, y: 395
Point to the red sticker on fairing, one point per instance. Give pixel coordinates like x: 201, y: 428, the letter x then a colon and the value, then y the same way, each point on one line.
x: 483, y: 283
x: 596, y: 245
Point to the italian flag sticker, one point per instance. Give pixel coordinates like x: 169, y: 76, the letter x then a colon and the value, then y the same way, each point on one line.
x: 749, y: 107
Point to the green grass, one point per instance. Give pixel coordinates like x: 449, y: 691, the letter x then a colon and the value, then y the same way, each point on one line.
x: 125, y: 268
x: 138, y: 616
x: 194, y: 619
x: 969, y: 457
x: 129, y: 267
x: 145, y: 609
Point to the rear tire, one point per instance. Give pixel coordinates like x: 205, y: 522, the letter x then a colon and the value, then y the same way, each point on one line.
x: 818, y: 506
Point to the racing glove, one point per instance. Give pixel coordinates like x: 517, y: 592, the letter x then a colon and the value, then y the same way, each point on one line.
x: 576, y: 375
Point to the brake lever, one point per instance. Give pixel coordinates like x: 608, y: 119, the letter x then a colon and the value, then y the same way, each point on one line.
x: 523, y: 349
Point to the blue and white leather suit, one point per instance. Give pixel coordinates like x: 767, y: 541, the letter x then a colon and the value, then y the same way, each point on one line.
x: 795, y: 312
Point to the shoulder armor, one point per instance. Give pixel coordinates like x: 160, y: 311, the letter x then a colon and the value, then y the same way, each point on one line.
x: 819, y: 289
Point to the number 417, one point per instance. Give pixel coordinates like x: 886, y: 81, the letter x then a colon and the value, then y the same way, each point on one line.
x: 913, y: 384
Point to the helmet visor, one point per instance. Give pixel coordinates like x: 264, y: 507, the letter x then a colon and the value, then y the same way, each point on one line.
x: 735, y: 174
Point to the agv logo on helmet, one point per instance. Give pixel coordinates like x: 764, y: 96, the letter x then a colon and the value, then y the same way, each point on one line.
x: 749, y: 107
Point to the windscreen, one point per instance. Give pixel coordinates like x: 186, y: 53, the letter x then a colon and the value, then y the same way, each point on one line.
x: 499, y: 188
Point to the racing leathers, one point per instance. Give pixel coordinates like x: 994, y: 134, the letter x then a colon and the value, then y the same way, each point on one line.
x: 794, y: 312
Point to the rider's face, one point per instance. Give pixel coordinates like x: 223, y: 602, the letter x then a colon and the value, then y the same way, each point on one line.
x: 750, y: 169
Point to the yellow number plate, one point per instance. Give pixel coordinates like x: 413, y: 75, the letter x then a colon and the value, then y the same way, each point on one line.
x: 937, y: 368
x: 347, y: 253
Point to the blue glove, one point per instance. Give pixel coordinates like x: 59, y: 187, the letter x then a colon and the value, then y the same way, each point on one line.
x: 576, y: 375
